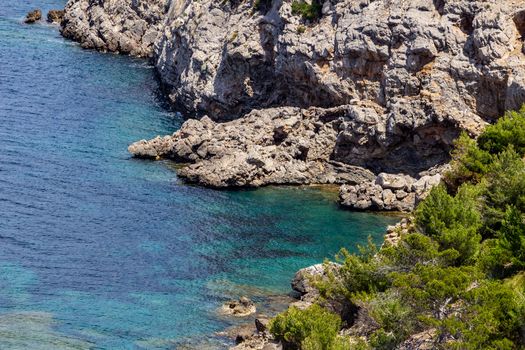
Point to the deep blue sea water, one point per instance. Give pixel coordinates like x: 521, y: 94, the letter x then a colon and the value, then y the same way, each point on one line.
x: 101, y: 251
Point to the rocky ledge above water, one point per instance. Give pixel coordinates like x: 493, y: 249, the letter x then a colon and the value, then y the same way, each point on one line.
x: 288, y: 146
x: 272, y: 146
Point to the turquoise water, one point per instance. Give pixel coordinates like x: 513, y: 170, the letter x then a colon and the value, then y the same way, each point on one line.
x: 101, y: 251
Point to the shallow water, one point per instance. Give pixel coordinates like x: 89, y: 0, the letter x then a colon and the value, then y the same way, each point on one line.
x: 98, y: 250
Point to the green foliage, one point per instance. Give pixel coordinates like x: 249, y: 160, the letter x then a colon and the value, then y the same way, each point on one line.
x: 452, y: 221
x: 469, y: 163
x: 396, y: 318
x: 493, y: 259
x: 383, y: 340
x: 509, y: 130
x: 308, y: 11
x: 431, y: 289
x: 505, y: 187
x: 493, y: 317
x: 412, y: 249
x: 512, y: 236
x: 505, y: 255
x: 314, y: 328
x: 358, y: 273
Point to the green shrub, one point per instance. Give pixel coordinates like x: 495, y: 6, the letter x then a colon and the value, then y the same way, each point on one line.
x: 452, y: 221
x: 509, y: 130
x: 358, y: 273
x: 382, y: 340
x: 396, y: 319
x: 314, y: 328
x: 412, y: 249
x: 505, y: 255
x: 469, y: 163
x: 494, y: 318
x: 505, y: 184
x: 309, y: 12
x: 512, y: 237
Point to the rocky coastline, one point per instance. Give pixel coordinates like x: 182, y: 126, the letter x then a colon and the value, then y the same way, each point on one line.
x: 370, y: 95
x: 366, y: 87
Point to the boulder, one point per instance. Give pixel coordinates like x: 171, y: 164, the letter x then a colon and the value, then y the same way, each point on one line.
x: 302, y: 280
x: 391, y: 181
x: 33, y: 16
x: 394, y: 192
x: 55, y: 16
x: 262, y: 323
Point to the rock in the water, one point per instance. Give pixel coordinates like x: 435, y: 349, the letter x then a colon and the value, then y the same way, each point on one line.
x: 262, y: 323
x: 33, y: 16
x: 239, y: 308
x: 55, y: 16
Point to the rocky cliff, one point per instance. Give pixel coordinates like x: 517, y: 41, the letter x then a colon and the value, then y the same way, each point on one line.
x: 383, y: 85
x: 125, y: 26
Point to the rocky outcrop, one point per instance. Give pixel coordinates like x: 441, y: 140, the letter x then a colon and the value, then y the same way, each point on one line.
x: 55, y: 16
x: 125, y: 26
x: 33, y: 16
x: 239, y: 308
x: 272, y: 146
x: 388, y: 192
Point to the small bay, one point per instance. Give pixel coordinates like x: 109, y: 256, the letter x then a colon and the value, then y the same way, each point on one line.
x: 99, y: 250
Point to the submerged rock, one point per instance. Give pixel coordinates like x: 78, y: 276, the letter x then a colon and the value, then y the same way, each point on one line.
x: 55, y: 16
x: 239, y: 308
x: 33, y: 16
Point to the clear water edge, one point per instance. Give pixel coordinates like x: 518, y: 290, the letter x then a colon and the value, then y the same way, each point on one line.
x: 101, y: 251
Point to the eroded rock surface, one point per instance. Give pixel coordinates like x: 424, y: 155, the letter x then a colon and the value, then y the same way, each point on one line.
x: 239, y: 308
x: 394, y: 192
x: 55, y: 16
x: 272, y: 146
x: 126, y: 26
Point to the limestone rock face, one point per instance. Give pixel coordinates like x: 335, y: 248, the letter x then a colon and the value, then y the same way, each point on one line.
x: 415, y: 73
x: 126, y: 26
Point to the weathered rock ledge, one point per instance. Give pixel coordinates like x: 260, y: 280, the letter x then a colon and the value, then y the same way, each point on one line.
x: 273, y: 146
x: 388, y: 192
